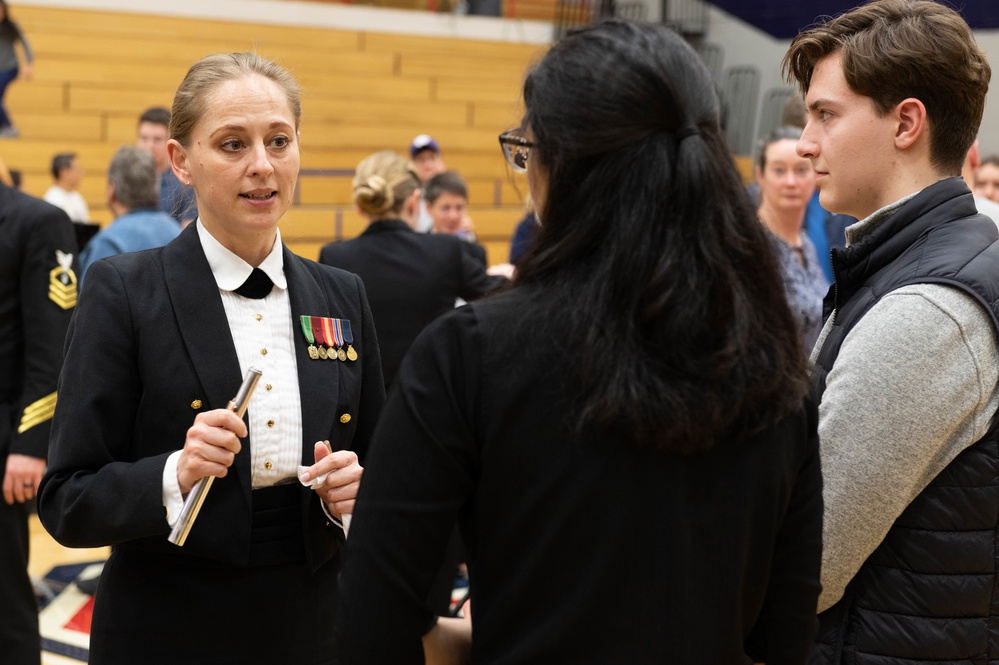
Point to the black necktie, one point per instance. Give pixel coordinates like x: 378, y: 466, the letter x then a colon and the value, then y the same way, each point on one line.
x: 257, y: 285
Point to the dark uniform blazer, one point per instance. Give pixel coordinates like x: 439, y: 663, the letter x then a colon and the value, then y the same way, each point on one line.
x: 410, y: 278
x: 37, y: 296
x: 150, y: 346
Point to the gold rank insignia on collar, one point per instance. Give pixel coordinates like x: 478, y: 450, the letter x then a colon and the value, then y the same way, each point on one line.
x: 62, y: 281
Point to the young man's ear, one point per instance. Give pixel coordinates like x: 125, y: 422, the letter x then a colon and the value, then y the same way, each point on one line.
x: 912, y: 122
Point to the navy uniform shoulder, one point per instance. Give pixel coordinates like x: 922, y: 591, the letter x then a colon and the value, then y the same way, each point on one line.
x: 335, y: 275
x: 18, y: 207
x: 135, y: 262
x: 333, y: 249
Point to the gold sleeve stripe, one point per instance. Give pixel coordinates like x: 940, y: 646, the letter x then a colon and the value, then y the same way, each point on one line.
x: 37, y: 413
x: 46, y: 402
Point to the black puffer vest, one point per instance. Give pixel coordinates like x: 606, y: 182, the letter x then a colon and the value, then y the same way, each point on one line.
x: 930, y: 591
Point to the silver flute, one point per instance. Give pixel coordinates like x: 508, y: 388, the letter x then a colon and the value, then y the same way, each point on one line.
x: 189, y: 513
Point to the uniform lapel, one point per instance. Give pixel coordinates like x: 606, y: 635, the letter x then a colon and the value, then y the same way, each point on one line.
x: 204, y: 327
x: 318, y: 380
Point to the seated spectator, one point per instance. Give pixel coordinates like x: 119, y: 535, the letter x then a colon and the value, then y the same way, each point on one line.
x: 68, y: 174
x: 16, y: 180
x: 987, y: 178
x: 787, y: 183
x: 133, y: 197
x: 446, y: 197
x: 410, y: 278
x: 428, y: 162
x: 176, y: 199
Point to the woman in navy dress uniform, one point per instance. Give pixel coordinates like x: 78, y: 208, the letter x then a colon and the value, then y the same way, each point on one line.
x: 159, y: 345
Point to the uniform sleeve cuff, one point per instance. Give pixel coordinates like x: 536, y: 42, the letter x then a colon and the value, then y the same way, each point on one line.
x: 340, y: 523
x: 173, y: 500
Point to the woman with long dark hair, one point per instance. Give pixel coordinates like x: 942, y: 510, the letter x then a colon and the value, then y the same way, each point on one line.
x: 624, y: 436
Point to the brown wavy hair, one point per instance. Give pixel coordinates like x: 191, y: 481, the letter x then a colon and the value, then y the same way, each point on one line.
x: 897, y: 49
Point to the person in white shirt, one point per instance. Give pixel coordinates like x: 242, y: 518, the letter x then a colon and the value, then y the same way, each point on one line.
x: 67, y: 173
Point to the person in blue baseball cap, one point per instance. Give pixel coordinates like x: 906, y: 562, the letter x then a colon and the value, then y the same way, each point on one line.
x: 427, y: 162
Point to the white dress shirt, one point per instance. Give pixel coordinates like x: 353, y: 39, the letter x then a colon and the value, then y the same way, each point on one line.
x: 263, y: 335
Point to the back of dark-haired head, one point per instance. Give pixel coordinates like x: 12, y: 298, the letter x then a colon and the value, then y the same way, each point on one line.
x: 779, y: 134
x: 448, y: 182
x: 896, y: 49
x: 61, y: 161
x: 133, y: 173
x: 650, y: 248
x: 157, y: 115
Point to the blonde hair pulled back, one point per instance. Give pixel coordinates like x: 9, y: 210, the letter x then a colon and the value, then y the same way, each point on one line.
x: 191, y: 101
x: 383, y: 182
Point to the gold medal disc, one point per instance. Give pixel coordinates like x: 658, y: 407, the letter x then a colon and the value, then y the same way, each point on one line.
x: 351, y: 353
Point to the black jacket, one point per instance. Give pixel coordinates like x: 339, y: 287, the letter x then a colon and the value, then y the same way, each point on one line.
x: 37, y: 298
x: 410, y: 278
x: 149, y: 348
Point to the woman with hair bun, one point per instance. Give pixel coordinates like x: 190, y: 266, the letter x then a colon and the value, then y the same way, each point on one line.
x: 624, y: 437
x: 411, y: 278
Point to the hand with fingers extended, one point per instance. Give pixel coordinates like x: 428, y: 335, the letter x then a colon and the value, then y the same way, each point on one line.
x: 210, y: 448
x: 343, y: 478
x: 21, y: 478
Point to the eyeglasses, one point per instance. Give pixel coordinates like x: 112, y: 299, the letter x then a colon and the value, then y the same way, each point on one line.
x: 516, y: 149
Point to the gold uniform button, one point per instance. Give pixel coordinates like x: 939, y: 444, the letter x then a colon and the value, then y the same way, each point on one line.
x: 270, y: 423
x: 268, y: 386
x: 345, y: 418
x: 196, y: 404
x: 263, y: 352
x: 268, y: 465
x: 259, y: 317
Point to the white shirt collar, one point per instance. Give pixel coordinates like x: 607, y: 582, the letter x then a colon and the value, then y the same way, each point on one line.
x: 230, y: 271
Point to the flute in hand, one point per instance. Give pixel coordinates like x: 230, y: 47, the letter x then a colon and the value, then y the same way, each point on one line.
x: 238, y: 404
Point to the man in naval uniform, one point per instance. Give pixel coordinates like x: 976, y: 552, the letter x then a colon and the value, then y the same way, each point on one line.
x: 37, y: 297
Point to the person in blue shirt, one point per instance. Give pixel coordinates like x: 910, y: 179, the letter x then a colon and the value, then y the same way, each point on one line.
x: 176, y: 199
x: 133, y: 197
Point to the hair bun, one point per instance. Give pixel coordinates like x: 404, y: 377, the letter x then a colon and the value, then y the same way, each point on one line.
x: 374, y: 195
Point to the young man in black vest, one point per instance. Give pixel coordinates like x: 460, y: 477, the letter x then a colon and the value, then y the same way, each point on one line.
x: 906, y: 364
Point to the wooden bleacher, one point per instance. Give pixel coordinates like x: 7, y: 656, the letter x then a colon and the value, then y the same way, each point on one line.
x: 96, y: 71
